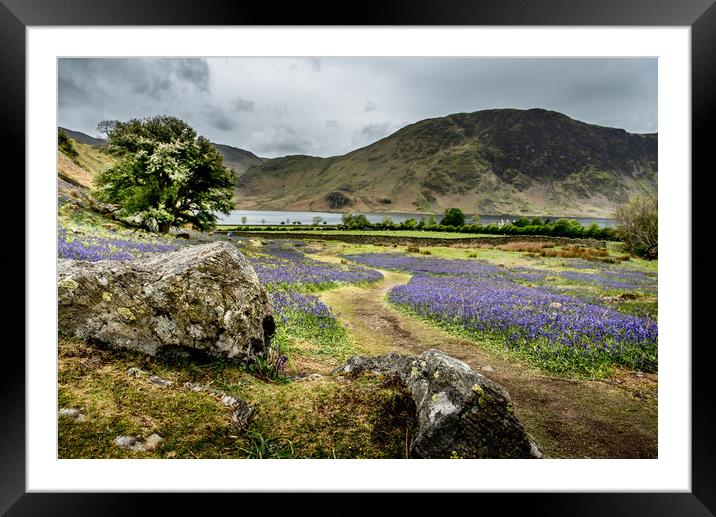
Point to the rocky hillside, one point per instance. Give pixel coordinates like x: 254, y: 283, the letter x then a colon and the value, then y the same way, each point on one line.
x: 489, y: 162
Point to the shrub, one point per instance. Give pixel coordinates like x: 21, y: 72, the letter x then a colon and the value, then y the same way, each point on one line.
x: 338, y: 199
x: 355, y: 221
x: 533, y: 247
x: 576, y: 251
x: 64, y: 144
x: 409, y: 224
x: 638, y: 225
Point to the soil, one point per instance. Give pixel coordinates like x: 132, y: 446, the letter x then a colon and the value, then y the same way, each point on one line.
x: 613, y: 418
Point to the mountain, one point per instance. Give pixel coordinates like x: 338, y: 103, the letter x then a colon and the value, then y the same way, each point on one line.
x: 499, y: 161
x: 82, y: 138
x: 238, y: 159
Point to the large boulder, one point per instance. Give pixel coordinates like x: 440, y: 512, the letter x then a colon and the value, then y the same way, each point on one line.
x: 205, y: 298
x: 458, y: 410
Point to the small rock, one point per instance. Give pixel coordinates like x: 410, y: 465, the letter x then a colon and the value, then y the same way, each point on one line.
x: 243, y: 413
x: 488, y: 368
x: 135, y: 372
x: 70, y: 412
x: 639, y: 374
x: 152, y: 441
x: 74, y: 413
x: 127, y: 442
x: 555, y: 305
x: 228, y: 400
x: 193, y: 386
x: 136, y: 444
x: 161, y: 382
x: 311, y: 377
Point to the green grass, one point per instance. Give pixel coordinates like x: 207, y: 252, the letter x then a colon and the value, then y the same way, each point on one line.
x: 386, y: 233
x: 323, y: 418
x: 322, y: 338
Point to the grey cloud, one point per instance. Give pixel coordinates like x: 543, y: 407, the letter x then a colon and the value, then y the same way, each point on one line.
x: 293, y: 105
x: 195, y: 71
x: 372, y: 132
x: 153, y: 86
x: 243, y: 104
x: 156, y: 78
x: 314, y: 63
x: 219, y: 119
x: 605, y: 89
x: 280, y: 139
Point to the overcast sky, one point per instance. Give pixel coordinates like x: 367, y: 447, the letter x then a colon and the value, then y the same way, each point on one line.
x: 330, y: 106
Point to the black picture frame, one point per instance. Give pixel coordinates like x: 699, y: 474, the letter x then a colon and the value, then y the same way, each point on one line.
x: 17, y: 15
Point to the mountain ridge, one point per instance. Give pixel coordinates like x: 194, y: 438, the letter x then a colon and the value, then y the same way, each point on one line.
x: 515, y: 161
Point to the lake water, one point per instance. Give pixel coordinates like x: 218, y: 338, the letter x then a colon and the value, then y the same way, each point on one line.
x: 275, y: 217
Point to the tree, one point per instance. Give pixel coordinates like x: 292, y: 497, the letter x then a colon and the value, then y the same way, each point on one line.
x: 165, y: 173
x: 453, y: 217
x: 355, y: 221
x: 317, y: 219
x: 244, y: 219
x: 65, y: 144
x: 637, y: 225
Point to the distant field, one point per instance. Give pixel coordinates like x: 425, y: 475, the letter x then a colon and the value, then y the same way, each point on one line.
x: 387, y: 233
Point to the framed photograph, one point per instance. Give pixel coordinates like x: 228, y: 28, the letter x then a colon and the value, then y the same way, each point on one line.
x: 516, y: 131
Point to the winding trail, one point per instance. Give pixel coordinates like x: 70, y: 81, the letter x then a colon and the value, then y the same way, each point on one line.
x: 569, y: 418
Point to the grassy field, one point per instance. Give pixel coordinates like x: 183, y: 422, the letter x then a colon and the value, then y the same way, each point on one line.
x: 328, y: 307
x: 388, y: 233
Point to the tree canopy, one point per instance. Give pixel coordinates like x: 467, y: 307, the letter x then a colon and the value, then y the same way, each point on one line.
x: 165, y: 173
x: 453, y: 217
x: 355, y: 221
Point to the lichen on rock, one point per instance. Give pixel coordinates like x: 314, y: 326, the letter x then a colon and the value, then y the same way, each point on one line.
x: 459, y: 411
x: 169, y: 301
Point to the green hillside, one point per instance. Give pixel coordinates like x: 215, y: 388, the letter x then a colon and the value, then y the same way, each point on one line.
x: 493, y: 161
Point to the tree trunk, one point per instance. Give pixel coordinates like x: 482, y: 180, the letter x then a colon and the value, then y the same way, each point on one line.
x: 164, y: 227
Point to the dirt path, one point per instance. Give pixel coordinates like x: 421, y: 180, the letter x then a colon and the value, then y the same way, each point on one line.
x: 569, y: 418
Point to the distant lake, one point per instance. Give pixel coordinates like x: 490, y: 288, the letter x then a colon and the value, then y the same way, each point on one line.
x: 275, y: 217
